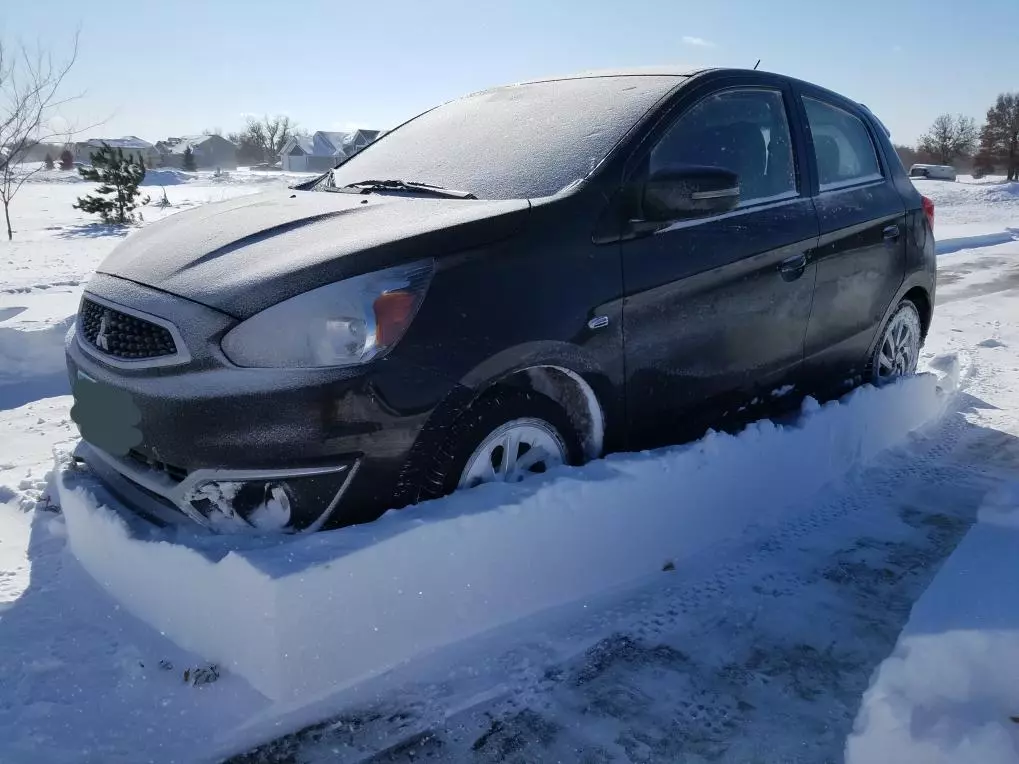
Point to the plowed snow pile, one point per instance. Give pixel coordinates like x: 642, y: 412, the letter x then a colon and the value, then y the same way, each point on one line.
x: 308, y: 617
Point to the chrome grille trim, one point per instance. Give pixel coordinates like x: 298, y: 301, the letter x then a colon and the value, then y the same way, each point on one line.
x: 179, y: 356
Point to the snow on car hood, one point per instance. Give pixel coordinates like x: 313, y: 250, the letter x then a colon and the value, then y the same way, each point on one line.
x: 244, y: 255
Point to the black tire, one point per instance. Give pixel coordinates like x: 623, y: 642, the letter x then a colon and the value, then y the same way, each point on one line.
x: 486, y: 414
x: 913, y: 318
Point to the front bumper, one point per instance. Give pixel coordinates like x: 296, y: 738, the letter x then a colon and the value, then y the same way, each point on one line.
x: 335, y: 441
x: 313, y: 493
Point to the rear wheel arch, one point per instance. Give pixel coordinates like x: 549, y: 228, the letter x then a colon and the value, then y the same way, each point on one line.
x: 917, y: 290
x: 922, y: 300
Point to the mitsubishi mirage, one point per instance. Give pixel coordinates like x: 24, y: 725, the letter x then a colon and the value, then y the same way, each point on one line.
x: 529, y: 276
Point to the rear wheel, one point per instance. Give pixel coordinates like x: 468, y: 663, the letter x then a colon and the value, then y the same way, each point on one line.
x: 898, y: 347
x: 506, y: 436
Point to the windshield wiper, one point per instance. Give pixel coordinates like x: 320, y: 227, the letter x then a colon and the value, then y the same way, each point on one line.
x: 368, y: 186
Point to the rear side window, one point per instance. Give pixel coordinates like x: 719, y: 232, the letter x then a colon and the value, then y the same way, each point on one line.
x: 745, y: 131
x: 843, y: 147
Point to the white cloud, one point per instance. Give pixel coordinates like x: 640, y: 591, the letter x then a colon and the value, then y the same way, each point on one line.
x: 697, y: 42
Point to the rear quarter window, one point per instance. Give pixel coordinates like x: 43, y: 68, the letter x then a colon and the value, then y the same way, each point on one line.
x: 843, y: 147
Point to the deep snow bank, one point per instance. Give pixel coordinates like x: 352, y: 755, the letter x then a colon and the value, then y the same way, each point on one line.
x: 32, y: 331
x: 307, y: 616
x: 948, y: 693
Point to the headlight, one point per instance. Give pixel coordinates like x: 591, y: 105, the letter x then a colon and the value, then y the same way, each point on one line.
x: 342, y: 324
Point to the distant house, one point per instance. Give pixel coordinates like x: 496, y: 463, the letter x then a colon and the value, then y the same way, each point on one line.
x: 209, y: 151
x: 131, y: 145
x: 323, y: 150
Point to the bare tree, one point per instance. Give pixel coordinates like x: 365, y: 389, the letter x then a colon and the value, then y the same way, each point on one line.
x: 269, y: 134
x: 30, y: 93
x: 950, y: 137
x: 1000, y: 136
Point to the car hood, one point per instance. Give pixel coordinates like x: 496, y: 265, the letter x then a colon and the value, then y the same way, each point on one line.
x: 244, y: 255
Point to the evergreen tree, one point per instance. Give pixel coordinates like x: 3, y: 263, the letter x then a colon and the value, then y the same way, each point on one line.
x: 189, y: 160
x: 66, y: 160
x: 48, y: 162
x: 117, y: 197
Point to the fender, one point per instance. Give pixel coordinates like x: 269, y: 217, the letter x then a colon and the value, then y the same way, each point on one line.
x: 538, y: 353
x: 608, y: 404
x: 603, y: 397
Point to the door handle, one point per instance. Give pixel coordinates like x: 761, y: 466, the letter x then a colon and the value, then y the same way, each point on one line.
x: 792, y: 268
x: 891, y: 233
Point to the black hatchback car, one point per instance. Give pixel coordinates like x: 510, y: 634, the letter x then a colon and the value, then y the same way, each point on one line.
x: 528, y: 276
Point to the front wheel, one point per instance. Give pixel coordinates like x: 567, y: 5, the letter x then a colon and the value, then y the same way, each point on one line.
x: 898, y: 348
x: 504, y: 437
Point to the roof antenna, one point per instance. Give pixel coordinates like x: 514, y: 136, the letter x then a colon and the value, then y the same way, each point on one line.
x: 757, y: 64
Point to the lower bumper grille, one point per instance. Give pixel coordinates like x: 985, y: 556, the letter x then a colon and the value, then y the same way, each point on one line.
x: 287, y: 500
x: 177, y: 474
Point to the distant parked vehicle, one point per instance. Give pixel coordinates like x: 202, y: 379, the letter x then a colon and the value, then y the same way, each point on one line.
x: 932, y: 171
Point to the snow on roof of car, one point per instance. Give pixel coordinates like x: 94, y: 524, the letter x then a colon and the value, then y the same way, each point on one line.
x: 664, y: 70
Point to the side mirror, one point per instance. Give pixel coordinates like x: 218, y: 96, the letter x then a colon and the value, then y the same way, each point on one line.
x: 684, y: 192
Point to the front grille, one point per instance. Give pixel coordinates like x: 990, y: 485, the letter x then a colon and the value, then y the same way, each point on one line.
x: 122, y: 335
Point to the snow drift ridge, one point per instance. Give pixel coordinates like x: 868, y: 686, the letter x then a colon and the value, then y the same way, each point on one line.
x: 309, y: 616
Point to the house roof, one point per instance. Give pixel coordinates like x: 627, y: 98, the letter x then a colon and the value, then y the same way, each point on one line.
x: 127, y: 142
x: 327, y: 143
x: 181, y: 145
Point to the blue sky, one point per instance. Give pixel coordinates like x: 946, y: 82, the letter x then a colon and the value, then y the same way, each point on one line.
x: 178, y: 66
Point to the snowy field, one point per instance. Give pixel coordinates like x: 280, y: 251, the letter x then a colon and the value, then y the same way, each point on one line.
x: 838, y: 586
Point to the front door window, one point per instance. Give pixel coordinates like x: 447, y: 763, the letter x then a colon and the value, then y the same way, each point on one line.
x: 742, y: 130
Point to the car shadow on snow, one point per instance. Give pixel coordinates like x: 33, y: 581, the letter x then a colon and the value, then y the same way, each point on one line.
x: 761, y: 654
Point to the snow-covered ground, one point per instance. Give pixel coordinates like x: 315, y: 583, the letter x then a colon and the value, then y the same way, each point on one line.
x: 769, y: 597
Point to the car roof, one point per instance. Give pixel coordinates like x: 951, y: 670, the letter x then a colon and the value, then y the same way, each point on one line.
x: 679, y: 71
x: 664, y: 70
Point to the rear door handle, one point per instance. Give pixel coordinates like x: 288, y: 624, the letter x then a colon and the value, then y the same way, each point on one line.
x: 891, y: 233
x: 792, y: 268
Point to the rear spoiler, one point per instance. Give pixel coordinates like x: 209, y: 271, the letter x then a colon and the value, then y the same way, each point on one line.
x: 888, y: 132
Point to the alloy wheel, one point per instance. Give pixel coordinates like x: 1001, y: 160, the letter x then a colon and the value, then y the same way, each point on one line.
x: 900, y: 346
x: 513, y: 451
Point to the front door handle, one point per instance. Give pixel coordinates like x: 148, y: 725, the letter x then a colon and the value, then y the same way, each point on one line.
x: 891, y: 233
x: 792, y: 268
